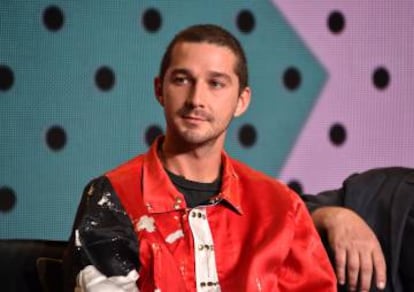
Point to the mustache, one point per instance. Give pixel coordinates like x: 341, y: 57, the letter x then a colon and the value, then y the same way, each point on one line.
x: 195, y: 112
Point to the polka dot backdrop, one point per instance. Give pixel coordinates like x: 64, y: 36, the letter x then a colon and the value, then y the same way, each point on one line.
x: 330, y: 94
x: 363, y: 118
x: 76, y: 95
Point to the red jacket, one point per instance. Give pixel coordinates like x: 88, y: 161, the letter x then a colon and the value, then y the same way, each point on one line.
x: 256, y: 236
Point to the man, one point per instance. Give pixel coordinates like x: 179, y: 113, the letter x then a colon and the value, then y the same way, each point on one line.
x: 384, y: 201
x: 185, y: 216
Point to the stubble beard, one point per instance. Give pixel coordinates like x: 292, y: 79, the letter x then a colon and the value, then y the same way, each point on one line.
x: 195, y: 136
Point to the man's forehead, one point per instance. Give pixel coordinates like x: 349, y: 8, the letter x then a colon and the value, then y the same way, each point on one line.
x: 186, y: 45
x: 184, y: 49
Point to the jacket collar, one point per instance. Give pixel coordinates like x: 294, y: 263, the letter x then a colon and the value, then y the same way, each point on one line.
x: 161, y: 196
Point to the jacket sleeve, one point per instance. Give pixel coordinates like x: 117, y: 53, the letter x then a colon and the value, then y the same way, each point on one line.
x: 102, y: 235
x: 324, y: 199
x: 334, y: 198
x: 307, y: 267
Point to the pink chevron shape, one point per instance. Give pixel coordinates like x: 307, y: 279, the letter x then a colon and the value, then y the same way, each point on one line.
x: 379, y: 123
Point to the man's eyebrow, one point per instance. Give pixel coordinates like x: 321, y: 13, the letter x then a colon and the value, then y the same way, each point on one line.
x: 181, y: 71
x: 212, y: 74
x: 216, y: 74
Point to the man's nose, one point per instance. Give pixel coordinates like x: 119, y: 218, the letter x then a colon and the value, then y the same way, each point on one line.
x: 196, y: 96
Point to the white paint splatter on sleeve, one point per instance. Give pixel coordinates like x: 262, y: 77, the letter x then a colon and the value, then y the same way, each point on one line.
x: 105, y: 201
x: 77, y: 240
x: 91, y: 280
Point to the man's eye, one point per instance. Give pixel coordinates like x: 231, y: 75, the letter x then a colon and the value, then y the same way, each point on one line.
x: 217, y: 84
x: 180, y: 80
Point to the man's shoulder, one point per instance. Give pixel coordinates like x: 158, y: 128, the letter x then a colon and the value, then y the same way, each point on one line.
x: 260, y: 191
x: 376, y: 178
x: 258, y: 180
x: 129, y: 167
x: 250, y: 174
x: 125, y: 180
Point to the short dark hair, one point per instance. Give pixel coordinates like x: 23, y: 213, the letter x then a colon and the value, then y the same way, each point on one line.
x: 211, y: 34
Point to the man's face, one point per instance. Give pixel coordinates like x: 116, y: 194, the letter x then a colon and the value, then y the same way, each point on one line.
x: 200, y: 93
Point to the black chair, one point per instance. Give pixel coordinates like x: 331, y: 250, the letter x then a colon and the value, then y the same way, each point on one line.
x: 31, y: 265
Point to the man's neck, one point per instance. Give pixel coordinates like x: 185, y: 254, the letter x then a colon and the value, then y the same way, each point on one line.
x: 200, y: 164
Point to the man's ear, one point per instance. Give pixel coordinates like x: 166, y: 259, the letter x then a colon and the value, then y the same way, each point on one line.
x: 158, y: 90
x: 243, y: 102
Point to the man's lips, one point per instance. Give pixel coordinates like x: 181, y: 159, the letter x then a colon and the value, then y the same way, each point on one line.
x: 195, y: 118
x: 196, y: 115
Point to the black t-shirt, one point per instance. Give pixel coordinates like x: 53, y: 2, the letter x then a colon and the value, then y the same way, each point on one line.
x: 195, y: 193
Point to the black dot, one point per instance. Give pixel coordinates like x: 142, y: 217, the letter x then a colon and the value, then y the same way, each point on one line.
x: 381, y: 78
x: 336, y: 22
x: 296, y: 186
x: 292, y: 78
x: 245, y: 21
x: 105, y: 78
x: 6, y: 78
x: 151, y: 19
x: 247, y: 135
x: 151, y: 133
x: 56, y: 138
x: 337, y: 134
x: 53, y: 18
x: 7, y: 199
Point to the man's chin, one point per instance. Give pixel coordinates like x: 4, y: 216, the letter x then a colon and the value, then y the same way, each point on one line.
x: 194, y: 138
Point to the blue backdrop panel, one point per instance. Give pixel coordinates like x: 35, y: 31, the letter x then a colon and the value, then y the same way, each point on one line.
x: 59, y: 127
